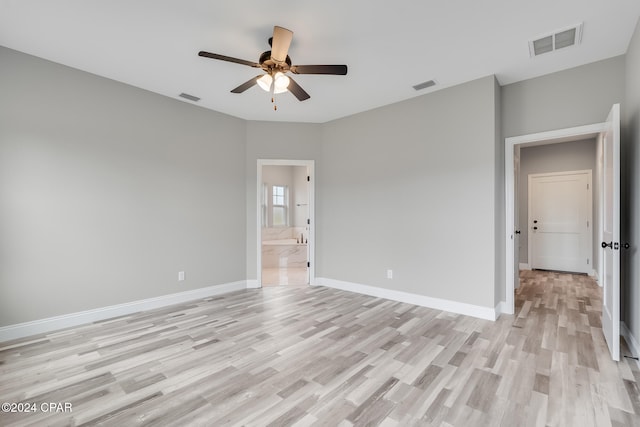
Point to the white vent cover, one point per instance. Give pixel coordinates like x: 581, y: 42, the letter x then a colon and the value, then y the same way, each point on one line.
x: 556, y: 40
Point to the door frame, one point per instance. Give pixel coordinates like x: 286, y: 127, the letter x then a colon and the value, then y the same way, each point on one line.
x: 589, y: 174
x: 511, y: 144
x: 310, y: 164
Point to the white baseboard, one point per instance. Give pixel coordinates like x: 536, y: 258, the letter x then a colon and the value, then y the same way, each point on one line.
x: 524, y: 266
x: 409, y: 298
x: 501, y: 308
x: 596, y: 277
x: 633, y: 345
x: 253, y: 284
x: 50, y: 324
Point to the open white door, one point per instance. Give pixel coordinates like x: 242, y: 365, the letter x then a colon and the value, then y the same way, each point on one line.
x: 516, y: 217
x: 611, y: 233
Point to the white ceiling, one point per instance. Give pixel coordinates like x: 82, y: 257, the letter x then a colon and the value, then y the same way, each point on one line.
x: 389, y: 46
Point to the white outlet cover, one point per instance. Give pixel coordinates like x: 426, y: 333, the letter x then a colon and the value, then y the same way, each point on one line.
x: 180, y: 276
x: 389, y: 274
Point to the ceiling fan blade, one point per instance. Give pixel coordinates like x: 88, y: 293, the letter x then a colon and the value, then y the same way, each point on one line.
x: 228, y: 59
x: 280, y: 44
x: 246, y: 85
x: 339, y: 70
x: 297, y: 90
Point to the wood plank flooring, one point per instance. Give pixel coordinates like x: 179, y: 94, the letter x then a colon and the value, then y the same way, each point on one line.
x: 313, y: 356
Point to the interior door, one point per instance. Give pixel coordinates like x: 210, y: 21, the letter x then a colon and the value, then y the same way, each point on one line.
x: 560, y: 210
x: 611, y: 233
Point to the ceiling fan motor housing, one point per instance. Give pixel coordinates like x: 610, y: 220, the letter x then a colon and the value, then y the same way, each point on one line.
x: 268, y: 64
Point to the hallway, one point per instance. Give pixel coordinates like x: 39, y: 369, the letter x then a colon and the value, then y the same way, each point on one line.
x: 558, y: 320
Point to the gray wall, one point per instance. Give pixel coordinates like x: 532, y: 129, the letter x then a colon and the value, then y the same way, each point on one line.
x: 300, y: 197
x: 631, y: 185
x: 295, y: 178
x: 411, y: 187
x: 568, y: 156
x: 578, y: 96
x: 107, y: 191
x: 272, y: 140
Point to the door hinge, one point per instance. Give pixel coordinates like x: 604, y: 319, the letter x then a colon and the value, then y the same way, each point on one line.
x: 587, y: 261
x: 308, y: 178
x: 616, y: 246
x: 308, y: 221
x: 587, y: 224
x: 587, y: 186
x: 308, y: 264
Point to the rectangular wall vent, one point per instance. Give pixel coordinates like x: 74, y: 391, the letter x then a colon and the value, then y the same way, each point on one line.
x: 189, y: 97
x: 557, y: 40
x: 424, y: 85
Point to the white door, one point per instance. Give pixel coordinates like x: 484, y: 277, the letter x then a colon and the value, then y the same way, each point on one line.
x: 516, y: 218
x: 611, y: 233
x: 560, y: 233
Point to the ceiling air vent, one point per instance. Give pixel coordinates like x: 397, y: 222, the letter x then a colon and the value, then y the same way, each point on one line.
x: 424, y: 85
x: 189, y: 97
x: 557, y: 40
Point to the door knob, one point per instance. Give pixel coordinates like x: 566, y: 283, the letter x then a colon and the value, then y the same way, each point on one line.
x: 605, y: 244
x: 517, y: 231
x: 535, y: 228
x: 626, y: 245
x: 535, y: 221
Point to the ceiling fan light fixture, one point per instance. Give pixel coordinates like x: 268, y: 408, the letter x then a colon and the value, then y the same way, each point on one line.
x: 281, y: 83
x: 265, y: 82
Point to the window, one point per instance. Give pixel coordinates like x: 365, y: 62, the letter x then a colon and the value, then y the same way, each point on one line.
x: 279, y: 212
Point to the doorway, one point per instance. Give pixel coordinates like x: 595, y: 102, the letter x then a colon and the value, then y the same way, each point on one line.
x: 285, y: 222
x: 608, y: 177
x: 513, y: 152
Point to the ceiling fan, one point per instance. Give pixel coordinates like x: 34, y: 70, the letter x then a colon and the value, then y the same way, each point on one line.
x: 276, y: 63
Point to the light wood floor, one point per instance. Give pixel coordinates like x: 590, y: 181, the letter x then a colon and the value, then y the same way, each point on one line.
x: 322, y: 357
x: 288, y: 276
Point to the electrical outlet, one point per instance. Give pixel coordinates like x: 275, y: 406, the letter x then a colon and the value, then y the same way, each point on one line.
x: 389, y: 274
x: 180, y: 276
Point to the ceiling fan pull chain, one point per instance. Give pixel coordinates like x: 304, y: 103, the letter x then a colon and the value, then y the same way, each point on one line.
x: 273, y: 97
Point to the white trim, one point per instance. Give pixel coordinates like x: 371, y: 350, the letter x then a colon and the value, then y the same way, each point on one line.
x: 524, y: 266
x: 310, y: 164
x: 542, y: 138
x: 409, y: 298
x: 253, y: 284
x: 41, y: 326
x: 633, y: 345
x: 501, y: 308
